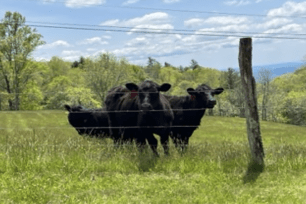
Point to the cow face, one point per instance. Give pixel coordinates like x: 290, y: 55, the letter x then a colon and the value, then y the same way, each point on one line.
x: 148, y: 93
x: 205, y: 95
x: 77, y: 117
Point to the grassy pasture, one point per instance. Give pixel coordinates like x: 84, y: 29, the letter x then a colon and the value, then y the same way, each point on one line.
x: 56, y: 165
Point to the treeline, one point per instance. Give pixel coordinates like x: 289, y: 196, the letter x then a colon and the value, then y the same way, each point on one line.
x: 26, y: 84
x: 51, y: 84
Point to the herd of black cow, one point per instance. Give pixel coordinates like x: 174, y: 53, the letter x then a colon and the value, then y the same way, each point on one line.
x: 136, y: 112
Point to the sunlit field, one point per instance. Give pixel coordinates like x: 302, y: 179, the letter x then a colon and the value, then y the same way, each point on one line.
x: 44, y: 160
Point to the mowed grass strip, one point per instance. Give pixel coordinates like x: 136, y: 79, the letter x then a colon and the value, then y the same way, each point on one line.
x: 59, y: 166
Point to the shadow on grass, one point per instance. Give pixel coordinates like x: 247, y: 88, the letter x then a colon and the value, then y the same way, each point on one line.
x: 253, y: 172
x: 147, y: 162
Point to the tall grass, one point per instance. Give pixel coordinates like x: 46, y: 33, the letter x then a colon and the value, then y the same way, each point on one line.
x: 58, y: 166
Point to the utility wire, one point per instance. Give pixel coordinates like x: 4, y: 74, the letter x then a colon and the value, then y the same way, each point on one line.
x: 162, y: 30
x: 162, y: 33
x: 171, y: 10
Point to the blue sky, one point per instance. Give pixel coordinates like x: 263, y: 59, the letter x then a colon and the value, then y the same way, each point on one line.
x: 195, y: 17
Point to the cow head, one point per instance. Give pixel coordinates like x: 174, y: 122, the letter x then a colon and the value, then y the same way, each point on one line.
x: 204, y: 95
x: 77, y: 117
x: 148, y: 93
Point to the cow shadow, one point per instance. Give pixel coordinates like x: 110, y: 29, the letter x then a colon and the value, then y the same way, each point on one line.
x: 253, y: 172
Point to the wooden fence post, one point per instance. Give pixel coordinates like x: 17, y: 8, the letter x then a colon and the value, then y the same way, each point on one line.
x: 249, y: 87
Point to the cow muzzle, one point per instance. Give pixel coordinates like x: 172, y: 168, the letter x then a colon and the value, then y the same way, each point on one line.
x: 211, y: 104
x: 146, y: 106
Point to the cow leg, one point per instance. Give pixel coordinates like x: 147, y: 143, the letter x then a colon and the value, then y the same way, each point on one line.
x: 152, y: 142
x: 127, y: 136
x: 164, y: 139
x: 185, y: 141
x: 175, y: 140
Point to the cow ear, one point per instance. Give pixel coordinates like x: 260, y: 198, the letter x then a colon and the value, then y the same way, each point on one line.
x: 191, y: 91
x: 131, y: 86
x: 68, y: 108
x: 218, y: 91
x: 164, y: 87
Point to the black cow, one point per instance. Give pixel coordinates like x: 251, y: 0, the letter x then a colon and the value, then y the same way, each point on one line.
x: 93, y: 123
x: 112, y: 104
x: 188, y: 111
x: 141, y: 111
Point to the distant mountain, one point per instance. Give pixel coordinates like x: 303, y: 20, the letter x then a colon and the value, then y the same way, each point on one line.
x: 278, y: 69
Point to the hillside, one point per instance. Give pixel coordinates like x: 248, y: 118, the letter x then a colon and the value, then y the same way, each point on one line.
x: 277, y: 69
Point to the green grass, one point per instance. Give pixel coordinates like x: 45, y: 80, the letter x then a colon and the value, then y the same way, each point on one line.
x: 47, y: 165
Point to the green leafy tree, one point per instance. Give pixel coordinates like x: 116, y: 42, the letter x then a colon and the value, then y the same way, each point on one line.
x: 294, y: 109
x: 32, y: 97
x: 265, y: 78
x: 235, y: 103
x: 17, y: 42
x: 194, y: 64
x: 152, y: 69
x: 170, y: 75
x: 105, y: 72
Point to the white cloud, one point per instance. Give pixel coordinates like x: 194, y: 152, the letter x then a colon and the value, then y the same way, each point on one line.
x: 107, y: 37
x: 194, y: 22
x: 58, y: 43
x: 71, y: 52
x: 226, y: 20
x: 221, y: 20
x: 169, y: 45
x: 237, y: 2
x: 111, y: 22
x: 287, y: 29
x: 152, y: 22
x: 274, y: 23
x: 289, y: 8
x: 139, y: 41
x: 152, y: 28
x: 135, y: 1
x: 130, y: 2
x: 232, y: 28
x: 170, y: 1
x: 94, y: 40
x: 152, y: 18
x: 83, y: 3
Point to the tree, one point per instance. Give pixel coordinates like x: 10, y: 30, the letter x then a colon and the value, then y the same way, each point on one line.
x: 194, y: 64
x: 17, y: 42
x: 231, y: 80
x: 167, y: 64
x: 79, y: 63
x: 105, y: 72
x: 153, y: 68
x: 265, y: 78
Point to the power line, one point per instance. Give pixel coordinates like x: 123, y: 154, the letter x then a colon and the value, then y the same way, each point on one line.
x: 126, y: 29
x: 173, y: 10
x: 162, y: 33
x: 162, y: 29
